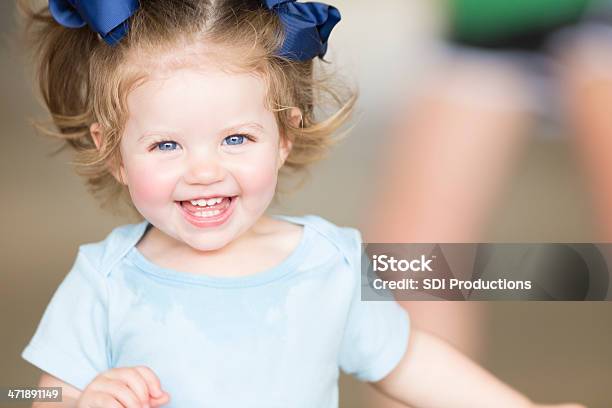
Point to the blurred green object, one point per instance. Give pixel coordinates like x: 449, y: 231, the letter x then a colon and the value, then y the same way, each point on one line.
x: 489, y: 21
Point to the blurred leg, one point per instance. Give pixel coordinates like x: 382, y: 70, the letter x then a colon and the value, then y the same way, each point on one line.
x: 450, y: 157
x: 586, y: 79
x: 451, y: 153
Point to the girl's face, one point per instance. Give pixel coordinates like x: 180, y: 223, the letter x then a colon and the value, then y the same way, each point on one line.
x: 201, y: 154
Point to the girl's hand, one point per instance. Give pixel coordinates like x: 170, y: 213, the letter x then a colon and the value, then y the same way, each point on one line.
x: 126, y: 387
x: 558, y: 406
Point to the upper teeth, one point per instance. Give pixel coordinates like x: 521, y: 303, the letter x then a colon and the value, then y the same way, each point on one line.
x: 211, y: 201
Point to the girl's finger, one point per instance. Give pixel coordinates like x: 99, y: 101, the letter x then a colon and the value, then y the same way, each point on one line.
x: 152, y: 381
x: 157, y: 402
x: 124, y: 394
x: 99, y: 400
x: 133, y: 379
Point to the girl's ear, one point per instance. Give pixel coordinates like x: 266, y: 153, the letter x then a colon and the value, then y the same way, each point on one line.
x: 295, y: 117
x: 96, y: 133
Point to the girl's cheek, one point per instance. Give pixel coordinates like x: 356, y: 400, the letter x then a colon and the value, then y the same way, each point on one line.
x: 150, y: 184
x: 257, y: 178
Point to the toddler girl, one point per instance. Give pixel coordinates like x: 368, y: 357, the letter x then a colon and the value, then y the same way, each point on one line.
x: 193, y: 107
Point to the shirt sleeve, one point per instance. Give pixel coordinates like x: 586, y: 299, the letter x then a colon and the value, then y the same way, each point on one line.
x: 376, y: 333
x: 71, y: 340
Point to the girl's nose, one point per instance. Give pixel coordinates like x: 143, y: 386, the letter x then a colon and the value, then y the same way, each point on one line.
x: 204, y: 169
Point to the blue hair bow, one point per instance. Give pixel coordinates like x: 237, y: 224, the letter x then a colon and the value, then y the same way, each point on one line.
x: 106, y: 17
x: 307, y: 27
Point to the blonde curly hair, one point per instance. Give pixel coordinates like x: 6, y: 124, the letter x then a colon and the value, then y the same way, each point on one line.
x: 83, y: 80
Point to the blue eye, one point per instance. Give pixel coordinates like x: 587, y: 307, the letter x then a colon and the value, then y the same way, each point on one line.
x: 234, y: 140
x: 166, y: 145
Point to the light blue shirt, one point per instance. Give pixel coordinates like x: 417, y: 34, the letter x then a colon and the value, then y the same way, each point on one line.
x: 272, y: 339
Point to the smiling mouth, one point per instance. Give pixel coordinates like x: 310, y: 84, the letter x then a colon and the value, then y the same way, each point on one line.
x: 207, y: 208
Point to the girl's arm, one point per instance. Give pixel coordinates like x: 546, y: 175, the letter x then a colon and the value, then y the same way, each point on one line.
x: 433, y: 374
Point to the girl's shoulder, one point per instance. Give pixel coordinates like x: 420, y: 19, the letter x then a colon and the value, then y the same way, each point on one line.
x: 103, y: 255
x: 336, y: 233
x: 346, y: 240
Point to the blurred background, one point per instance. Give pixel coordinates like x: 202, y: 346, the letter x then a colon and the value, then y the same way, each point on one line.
x: 473, y: 124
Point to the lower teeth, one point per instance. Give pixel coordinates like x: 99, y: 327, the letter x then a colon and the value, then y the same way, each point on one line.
x: 207, y: 213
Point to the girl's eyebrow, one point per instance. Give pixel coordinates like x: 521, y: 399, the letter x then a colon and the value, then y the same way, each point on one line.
x: 230, y: 129
x: 251, y: 125
x: 153, y: 133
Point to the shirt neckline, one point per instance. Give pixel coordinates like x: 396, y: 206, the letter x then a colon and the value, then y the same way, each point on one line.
x: 284, y: 268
